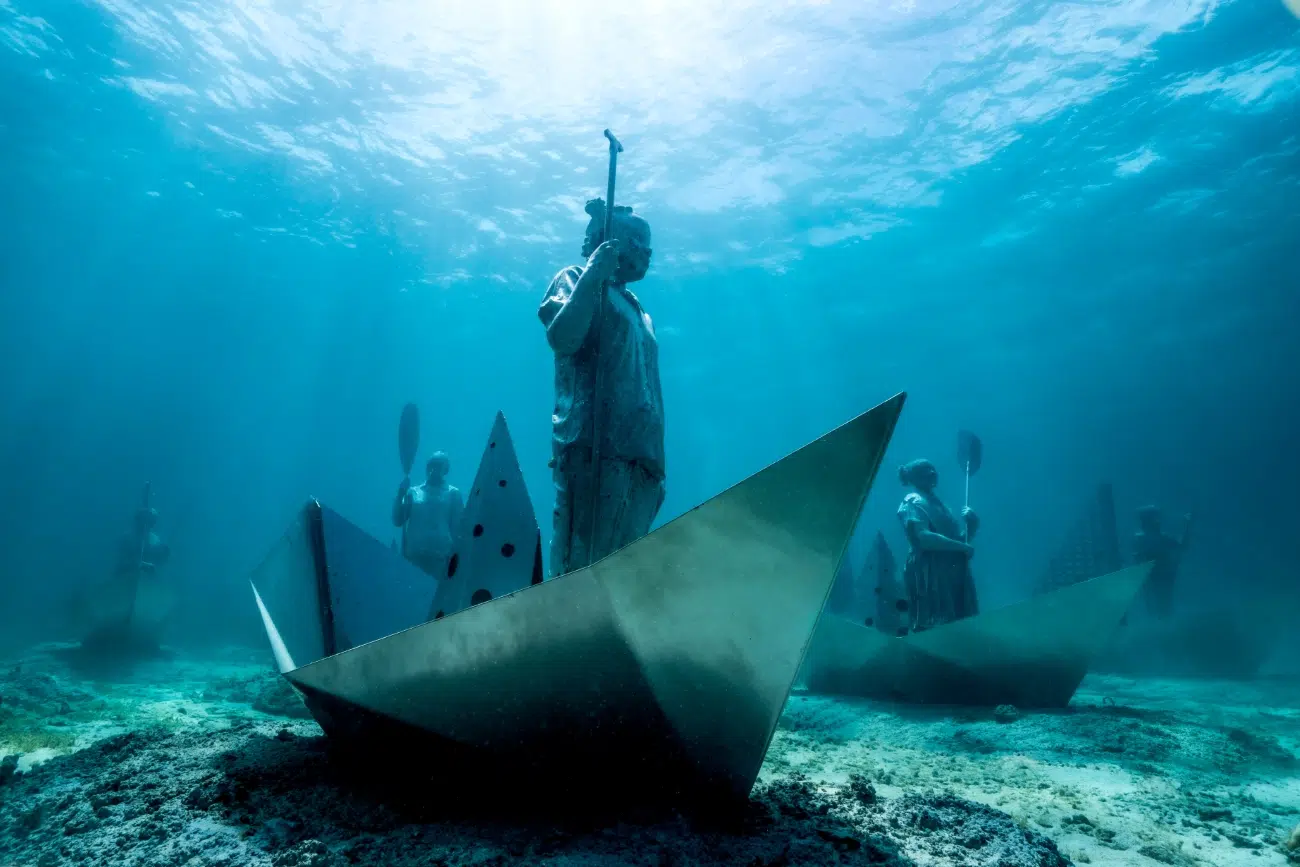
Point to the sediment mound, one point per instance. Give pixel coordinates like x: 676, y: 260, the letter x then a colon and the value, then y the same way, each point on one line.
x: 260, y: 794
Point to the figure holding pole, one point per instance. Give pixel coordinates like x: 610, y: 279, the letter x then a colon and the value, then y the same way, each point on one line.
x: 608, y: 424
x: 143, y: 553
x: 429, y: 513
x: 127, y: 612
x: 970, y: 457
x: 938, y: 578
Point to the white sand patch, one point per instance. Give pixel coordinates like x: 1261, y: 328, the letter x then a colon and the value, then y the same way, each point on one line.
x: 1134, y: 773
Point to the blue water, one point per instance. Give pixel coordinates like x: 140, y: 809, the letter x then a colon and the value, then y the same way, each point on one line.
x: 238, y: 235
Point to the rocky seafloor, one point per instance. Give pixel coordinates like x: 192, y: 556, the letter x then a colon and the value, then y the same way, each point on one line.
x: 213, y: 761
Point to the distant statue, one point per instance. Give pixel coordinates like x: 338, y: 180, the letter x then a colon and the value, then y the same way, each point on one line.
x: 142, y: 551
x: 619, y: 357
x: 127, y: 613
x: 429, y: 515
x: 1152, y: 545
x: 937, y: 577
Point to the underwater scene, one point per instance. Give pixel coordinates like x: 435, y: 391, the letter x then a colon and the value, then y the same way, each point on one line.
x: 661, y: 433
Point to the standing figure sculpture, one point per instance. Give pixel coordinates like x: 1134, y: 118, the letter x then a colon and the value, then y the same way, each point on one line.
x: 429, y: 515
x: 125, y: 615
x: 1152, y: 545
x: 629, y: 481
x: 938, y: 579
x: 141, y: 550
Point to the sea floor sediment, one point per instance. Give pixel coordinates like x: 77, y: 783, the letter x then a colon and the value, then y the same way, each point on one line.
x: 212, y: 760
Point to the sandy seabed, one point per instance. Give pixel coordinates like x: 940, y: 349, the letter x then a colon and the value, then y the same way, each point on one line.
x: 214, y: 761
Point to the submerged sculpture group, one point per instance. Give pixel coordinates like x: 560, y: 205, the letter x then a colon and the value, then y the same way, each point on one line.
x: 657, y: 663
x: 641, y: 662
x: 650, y: 661
x: 607, y: 453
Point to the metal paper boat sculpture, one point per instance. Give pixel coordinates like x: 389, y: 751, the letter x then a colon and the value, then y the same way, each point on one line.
x: 128, y: 613
x: 662, y: 668
x: 1033, y: 654
x: 1230, y: 641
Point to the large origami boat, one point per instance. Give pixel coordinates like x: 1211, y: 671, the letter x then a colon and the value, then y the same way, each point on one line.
x: 662, y: 668
x: 1032, y: 655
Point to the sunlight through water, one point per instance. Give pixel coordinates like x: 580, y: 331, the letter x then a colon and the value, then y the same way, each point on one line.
x: 858, y: 110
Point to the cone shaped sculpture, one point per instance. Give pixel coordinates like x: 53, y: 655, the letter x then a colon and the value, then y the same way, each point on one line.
x: 1033, y: 654
x: 498, y: 544
x: 662, y: 668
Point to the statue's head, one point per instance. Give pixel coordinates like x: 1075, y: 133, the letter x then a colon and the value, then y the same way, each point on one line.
x: 437, y: 467
x: 633, y: 233
x: 146, y: 519
x: 1149, y: 519
x: 919, y: 474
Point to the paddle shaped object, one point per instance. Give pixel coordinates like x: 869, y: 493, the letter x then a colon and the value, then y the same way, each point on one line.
x: 408, y: 437
x: 970, y: 455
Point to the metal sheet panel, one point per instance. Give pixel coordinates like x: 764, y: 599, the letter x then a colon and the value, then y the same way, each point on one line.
x: 127, y: 612
x: 888, y: 598
x: 845, y: 592
x: 285, y: 586
x: 498, y: 537
x: 155, y: 601
x: 374, y: 591
x: 720, y: 604
x: 1090, y: 549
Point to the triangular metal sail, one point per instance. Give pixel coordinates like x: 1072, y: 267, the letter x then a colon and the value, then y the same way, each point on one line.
x: 667, y: 661
x: 888, y: 598
x: 498, y: 548
x: 870, y: 594
x: 287, y: 589
x: 372, y: 593
x: 1091, y: 548
x: 845, y: 592
x: 1032, y: 654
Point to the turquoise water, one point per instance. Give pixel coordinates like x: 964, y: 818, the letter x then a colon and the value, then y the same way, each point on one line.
x: 238, y: 236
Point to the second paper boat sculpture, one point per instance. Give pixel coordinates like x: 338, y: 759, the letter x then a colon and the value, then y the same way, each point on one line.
x: 1032, y: 655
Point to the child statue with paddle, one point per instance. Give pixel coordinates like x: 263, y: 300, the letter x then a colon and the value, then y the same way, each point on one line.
x: 142, y: 551
x: 429, y: 515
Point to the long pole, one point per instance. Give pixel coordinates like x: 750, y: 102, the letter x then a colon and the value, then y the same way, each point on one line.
x: 146, y: 502
x: 598, y: 393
